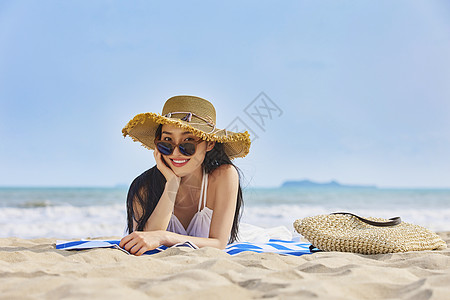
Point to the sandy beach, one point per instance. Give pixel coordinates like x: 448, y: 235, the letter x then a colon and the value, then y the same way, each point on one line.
x: 34, y: 269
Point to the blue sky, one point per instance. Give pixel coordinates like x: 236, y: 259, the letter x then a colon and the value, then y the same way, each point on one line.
x: 363, y: 86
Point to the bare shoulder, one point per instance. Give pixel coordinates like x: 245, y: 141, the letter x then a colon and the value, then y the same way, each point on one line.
x: 224, y: 174
x: 223, y: 184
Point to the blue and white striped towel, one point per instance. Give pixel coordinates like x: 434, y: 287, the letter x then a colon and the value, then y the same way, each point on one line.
x: 272, y: 246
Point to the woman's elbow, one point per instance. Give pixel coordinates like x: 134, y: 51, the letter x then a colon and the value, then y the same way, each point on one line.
x: 221, y: 244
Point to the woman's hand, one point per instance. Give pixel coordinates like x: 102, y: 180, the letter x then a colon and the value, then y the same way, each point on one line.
x: 170, y: 176
x: 139, y: 242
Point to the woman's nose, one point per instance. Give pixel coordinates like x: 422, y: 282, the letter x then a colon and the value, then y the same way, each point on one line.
x: 176, y: 151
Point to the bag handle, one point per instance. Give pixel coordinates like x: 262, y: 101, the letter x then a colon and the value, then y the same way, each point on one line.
x: 392, y: 222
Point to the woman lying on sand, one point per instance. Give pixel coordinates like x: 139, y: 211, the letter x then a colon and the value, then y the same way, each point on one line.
x: 193, y: 193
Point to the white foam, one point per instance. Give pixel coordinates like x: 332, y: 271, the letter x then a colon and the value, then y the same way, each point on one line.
x: 285, y: 215
x: 63, y: 221
x: 72, y: 222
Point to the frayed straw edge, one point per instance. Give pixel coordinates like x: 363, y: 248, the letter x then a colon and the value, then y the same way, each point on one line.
x: 243, y: 137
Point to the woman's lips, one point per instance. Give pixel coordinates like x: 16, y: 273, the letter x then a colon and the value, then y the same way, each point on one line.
x: 179, y: 162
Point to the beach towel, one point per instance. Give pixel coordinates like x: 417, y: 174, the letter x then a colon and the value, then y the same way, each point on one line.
x: 283, y: 247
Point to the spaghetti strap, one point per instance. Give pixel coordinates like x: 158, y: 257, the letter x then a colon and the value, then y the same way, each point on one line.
x: 206, y: 187
x: 201, y: 191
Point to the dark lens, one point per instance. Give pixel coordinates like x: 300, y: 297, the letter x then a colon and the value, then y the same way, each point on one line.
x: 165, y: 148
x: 187, y: 149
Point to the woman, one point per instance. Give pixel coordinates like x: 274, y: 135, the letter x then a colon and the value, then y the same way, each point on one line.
x: 193, y: 193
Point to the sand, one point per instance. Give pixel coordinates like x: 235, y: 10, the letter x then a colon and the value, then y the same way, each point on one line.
x: 34, y: 269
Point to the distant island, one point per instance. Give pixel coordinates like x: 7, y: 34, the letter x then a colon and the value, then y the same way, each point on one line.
x: 312, y: 184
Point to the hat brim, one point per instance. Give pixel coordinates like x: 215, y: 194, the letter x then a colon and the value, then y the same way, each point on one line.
x: 142, y: 128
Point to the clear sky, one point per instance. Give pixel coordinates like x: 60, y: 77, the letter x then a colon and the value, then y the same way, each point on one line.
x: 362, y: 87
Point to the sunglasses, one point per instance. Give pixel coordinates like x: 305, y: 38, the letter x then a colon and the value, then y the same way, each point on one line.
x: 185, y: 148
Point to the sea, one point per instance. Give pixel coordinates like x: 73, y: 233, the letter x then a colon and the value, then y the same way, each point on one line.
x: 73, y: 213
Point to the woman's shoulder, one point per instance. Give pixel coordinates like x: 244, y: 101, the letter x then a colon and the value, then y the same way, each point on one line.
x: 224, y: 173
x: 224, y: 184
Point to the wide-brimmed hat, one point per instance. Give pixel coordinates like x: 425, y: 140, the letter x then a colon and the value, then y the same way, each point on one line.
x: 193, y: 114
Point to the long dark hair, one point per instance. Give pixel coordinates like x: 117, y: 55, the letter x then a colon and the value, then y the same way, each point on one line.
x: 146, y: 190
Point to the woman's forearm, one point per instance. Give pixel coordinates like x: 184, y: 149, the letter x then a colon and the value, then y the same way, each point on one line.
x: 138, y: 242
x: 160, y: 217
x: 170, y: 239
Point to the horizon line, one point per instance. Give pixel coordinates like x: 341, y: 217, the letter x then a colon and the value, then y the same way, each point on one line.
x: 124, y: 186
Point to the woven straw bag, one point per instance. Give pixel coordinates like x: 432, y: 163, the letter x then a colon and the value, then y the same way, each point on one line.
x: 346, y: 232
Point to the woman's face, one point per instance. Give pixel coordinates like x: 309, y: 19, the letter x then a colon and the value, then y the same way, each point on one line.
x: 181, y: 164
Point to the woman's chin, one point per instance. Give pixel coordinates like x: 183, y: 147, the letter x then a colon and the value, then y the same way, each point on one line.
x: 180, y: 173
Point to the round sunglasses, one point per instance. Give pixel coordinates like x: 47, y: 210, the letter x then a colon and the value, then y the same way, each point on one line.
x: 185, y: 148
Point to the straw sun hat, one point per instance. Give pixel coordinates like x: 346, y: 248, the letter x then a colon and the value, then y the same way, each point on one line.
x: 193, y: 114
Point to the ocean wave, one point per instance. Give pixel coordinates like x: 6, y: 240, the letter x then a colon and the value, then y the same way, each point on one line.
x: 62, y: 221
x: 33, y: 204
x: 270, y: 216
x: 75, y: 222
